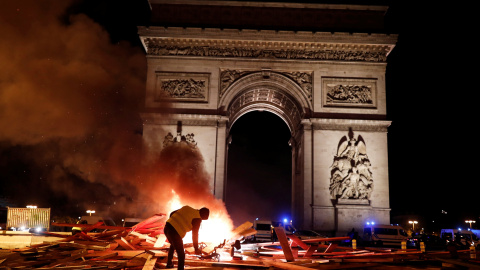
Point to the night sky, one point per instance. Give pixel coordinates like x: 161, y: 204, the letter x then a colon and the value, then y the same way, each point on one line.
x: 69, y: 114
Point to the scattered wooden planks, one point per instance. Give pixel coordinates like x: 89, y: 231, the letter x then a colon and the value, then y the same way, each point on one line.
x: 143, y: 247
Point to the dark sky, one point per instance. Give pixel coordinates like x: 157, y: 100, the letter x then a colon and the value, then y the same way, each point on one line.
x: 431, y: 92
x: 430, y: 100
x: 428, y: 84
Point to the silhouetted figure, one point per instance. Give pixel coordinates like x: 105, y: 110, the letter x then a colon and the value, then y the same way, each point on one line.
x: 76, y: 230
x: 180, y: 222
x: 452, y: 248
x: 353, y: 234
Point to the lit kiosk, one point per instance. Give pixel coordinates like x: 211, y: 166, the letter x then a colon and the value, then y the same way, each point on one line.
x: 320, y: 68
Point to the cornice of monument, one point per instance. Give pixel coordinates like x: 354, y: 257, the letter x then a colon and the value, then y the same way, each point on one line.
x: 208, y: 42
x: 187, y: 119
x: 271, y: 4
x: 346, y: 124
x: 267, y: 35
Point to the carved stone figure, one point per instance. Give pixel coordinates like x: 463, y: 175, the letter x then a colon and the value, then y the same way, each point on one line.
x: 188, y: 139
x: 168, y: 140
x: 360, y: 94
x: 303, y: 79
x: 351, y: 175
x: 183, y: 88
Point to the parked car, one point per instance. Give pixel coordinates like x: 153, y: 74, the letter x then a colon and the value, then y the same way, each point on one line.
x: 384, y: 235
x: 130, y: 222
x: 90, y: 220
x: 431, y: 242
x: 463, y: 239
x: 264, y: 230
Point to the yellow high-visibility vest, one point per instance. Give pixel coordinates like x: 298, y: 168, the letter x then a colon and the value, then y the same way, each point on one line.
x: 181, y: 220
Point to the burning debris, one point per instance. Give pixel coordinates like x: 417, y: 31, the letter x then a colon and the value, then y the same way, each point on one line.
x: 143, y: 246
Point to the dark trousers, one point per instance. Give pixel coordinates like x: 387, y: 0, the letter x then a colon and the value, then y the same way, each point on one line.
x: 176, y: 244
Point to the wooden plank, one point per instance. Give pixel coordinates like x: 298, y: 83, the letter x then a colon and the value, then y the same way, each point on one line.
x: 68, y: 259
x: 150, y: 222
x: 93, y: 243
x: 368, y: 260
x: 387, y: 250
x: 109, y: 263
x: 83, y: 235
x: 282, y: 238
x: 150, y: 263
x: 160, y: 241
x: 248, y: 232
x: 283, y: 265
x: 127, y: 254
x: 81, y: 246
x: 106, y: 256
x: 327, y: 239
x: 89, y: 225
x: 368, y: 254
x: 239, y: 231
x: 209, y: 248
x: 136, y: 262
x: 298, y: 241
x: 157, y: 253
x: 311, y: 250
x: 227, y: 265
x: 55, y: 234
x: 347, y: 253
x: 459, y: 263
x: 143, y: 236
x: 243, y: 227
x: 125, y: 244
x: 73, y: 267
x: 48, y: 243
x: 109, y: 233
x: 113, y: 245
x: 331, y: 247
x: 92, y: 227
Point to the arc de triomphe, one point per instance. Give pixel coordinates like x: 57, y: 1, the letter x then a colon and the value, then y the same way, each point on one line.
x: 329, y: 87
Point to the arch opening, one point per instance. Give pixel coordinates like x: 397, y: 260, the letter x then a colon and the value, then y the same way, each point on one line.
x: 281, y: 98
x: 259, y: 175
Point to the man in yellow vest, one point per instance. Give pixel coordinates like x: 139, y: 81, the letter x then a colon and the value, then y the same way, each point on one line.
x: 76, y: 230
x: 180, y: 222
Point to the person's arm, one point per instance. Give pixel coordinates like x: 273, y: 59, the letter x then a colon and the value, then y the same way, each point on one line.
x: 196, y: 227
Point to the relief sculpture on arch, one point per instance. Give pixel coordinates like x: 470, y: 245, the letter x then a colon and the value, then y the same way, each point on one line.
x: 351, y: 175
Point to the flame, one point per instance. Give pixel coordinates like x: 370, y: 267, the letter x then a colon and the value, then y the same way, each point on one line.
x: 174, y: 203
x: 215, y: 230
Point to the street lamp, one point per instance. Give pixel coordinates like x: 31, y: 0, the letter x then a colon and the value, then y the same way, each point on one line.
x: 470, y: 221
x: 413, y: 224
x: 91, y: 211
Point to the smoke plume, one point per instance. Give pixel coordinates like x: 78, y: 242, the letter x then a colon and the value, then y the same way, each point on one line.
x: 70, y: 126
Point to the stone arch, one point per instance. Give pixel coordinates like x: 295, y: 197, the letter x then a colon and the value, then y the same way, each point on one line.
x: 280, y: 95
x: 266, y: 91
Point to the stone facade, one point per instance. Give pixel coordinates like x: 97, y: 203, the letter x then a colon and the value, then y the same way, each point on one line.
x: 328, y: 87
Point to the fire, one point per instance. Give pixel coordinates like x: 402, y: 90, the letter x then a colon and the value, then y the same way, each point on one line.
x: 215, y: 230
x: 174, y: 203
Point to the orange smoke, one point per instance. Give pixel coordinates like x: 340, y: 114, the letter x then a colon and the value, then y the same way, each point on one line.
x: 70, y: 126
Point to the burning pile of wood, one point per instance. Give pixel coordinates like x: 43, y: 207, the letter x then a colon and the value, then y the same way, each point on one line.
x: 143, y: 246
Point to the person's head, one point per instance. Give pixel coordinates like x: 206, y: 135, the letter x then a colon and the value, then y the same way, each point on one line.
x: 204, y: 213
